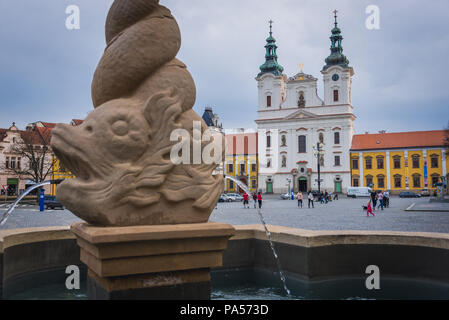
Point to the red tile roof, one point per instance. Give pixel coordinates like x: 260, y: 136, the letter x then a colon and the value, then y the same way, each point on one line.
x: 48, y: 124
x: 77, y: 122
x: 398, y: 140
x: 239, y: 147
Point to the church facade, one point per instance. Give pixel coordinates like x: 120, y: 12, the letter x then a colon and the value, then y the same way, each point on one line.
x: 300, y: 135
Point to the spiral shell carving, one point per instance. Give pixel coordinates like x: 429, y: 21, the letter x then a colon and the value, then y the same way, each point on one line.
x: 120, y: 155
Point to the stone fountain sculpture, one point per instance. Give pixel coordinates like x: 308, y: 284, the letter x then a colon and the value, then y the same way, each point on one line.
x: 147, y: 234
x: 120, y: 155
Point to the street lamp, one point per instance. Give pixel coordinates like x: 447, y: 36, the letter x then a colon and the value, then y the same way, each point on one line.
x: 318, y: 152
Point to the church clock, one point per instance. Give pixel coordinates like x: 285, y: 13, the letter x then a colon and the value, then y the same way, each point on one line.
x: 335, y: 77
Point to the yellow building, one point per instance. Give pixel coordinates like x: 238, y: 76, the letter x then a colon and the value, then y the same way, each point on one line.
x: 241, y: 160
x: 399, y: 161
x: 58, y: 172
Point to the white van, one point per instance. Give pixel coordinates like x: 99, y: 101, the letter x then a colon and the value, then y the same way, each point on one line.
x: 359, y: 192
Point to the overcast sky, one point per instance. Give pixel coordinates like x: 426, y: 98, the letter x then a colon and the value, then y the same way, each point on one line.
x: 401, y: 70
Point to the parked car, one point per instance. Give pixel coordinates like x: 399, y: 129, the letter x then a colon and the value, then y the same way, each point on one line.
x: 287, y: 196
x: 425, y: 193
x: 235, y: 196
x: 409, y: 194
x: 50, y: 202
x: 224, y: 198
x: 355, y: 192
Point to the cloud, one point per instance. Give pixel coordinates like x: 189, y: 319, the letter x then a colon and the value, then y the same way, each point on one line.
x: 400, y: 81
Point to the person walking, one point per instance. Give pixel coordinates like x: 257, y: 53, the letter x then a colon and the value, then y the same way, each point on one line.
x: 310, y: 198
x: 245, y: 200
x: 254, y: 199
x: 381, y: 200
x: 370, y: 209
x: 326, y: 197
x: 374, y: 199
x: 386, y: 199
x: 259, y: 198
x: 299, y: 197
x: 336, y: 196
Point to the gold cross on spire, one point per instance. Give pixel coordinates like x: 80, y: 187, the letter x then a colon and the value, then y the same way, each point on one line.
x: 301, y: 67
x: 271, y: 24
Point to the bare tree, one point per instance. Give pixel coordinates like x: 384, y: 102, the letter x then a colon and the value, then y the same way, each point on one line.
x: 33, y: 157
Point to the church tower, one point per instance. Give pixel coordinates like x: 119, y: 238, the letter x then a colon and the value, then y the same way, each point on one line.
x: 271, y: 80
x: 337, y: 74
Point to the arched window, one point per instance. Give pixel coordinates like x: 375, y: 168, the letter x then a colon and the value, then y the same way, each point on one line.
x: 336, y: 137
x: 415, y: 161
x: 398, y: 181
x: 380, y: 162
x: 302, y: 144
x: 321, y: 137
x: 369, y: 180
x: 335, y: 95
x: 416, y: 181
x: 268, y: 141
x: 268, y: 101
x: 397, y: 162
x: 368, y: 163
x: 381, y: 181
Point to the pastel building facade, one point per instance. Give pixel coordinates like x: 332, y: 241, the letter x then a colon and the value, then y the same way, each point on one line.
x: 241, y: 159
x: 400, y: 161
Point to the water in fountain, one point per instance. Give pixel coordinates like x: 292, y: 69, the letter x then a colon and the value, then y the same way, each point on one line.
x: 23, y: 195
x: 259, y: 211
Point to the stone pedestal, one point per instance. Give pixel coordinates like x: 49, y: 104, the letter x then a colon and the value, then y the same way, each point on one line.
x: 151, y: 262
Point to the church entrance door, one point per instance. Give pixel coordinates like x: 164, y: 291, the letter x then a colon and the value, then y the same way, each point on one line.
x: 302, y: 184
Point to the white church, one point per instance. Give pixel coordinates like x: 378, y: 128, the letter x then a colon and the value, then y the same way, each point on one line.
x: 294, y: 122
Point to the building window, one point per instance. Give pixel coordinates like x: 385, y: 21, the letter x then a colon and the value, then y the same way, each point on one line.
x: 355, y: 164
x: 18, y: 163
x: 302, y: 144
x: 231, y: 184
x: 416, y: 181
x: 337, y: 161
x: 230, y: 167
x: 253, y: 167
x: 335, y: 95
x: 434, y: 161
x: 268, y: 101
x: 415, y: 162
x: 321, y: 137
x: 283, y: 141
x: 268, y: 163
x: 268, y: 141
x: 355, y: 182
x: 242, y: 169
x: 397, y: 162
x: 284, y: 161
x: 7, y: 163
x: 321, y: 161
x: 369, y: 163
x: 13, y: 163
x: 380, y: 163
x: 369, y: 181
x: 336, y: 137
x: 398, y: 181
x: 435, y: 180
x: 253, y: 184
x: 381, y: 182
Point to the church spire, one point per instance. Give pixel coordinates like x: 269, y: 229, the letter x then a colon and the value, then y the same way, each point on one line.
x: 271, y: 64
x: 336, y: 58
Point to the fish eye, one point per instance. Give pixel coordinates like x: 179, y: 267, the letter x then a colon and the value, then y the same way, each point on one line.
x: 120, y: 127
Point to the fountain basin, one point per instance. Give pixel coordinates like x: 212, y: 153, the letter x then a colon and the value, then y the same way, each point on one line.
x: 325, y: 264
